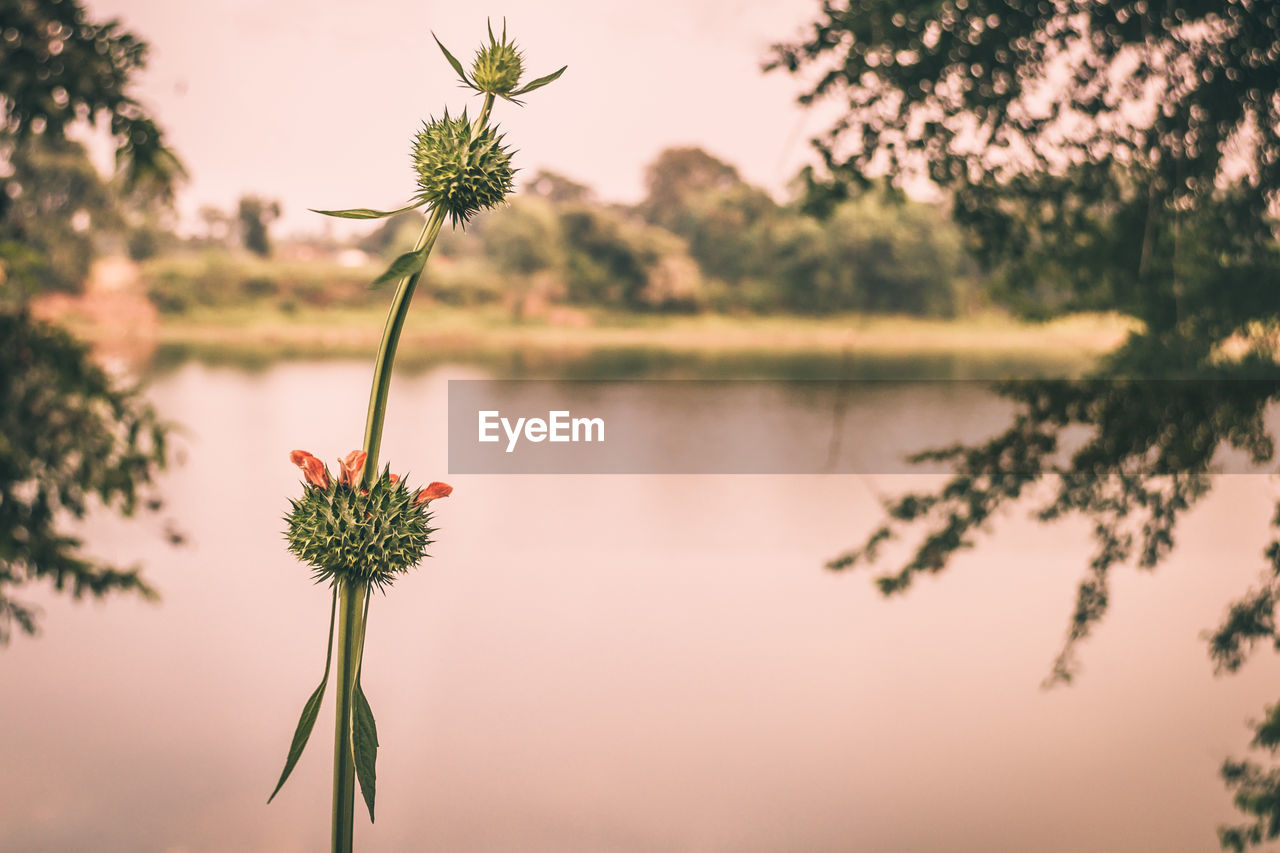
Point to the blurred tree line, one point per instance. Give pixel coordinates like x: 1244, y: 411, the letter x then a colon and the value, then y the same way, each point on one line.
x: 701, y: 239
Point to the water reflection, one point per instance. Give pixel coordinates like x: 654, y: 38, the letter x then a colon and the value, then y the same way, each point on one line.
x: 619, y: 663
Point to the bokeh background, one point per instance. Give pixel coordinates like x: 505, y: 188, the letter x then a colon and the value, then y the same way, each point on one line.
x: 629, y: 663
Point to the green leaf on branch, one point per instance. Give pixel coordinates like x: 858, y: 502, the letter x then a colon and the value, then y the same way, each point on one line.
x: 311, y: 710
x: 541, y: 81
x: 365, y: 745
x: 457, y: 66
x: 362, y: 212
x: 305, y: 723
x: 410, y: 263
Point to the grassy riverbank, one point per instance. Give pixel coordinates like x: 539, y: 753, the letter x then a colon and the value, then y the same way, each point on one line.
x: 609, y: 344
x: 354, y: 331
x: 304, y: 310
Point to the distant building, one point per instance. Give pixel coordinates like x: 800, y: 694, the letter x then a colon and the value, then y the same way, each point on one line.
x: 352, y: 258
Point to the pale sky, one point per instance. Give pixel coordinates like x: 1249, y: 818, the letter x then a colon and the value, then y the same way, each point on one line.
x: 313, y: 102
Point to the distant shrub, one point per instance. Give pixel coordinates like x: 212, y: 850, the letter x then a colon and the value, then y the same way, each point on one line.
x: 177, y: 283
x: 168, y: 301
x: 144, y: 243
x: 259, y: 286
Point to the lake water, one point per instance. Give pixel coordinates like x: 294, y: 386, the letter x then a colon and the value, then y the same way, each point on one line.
x: 618, y: 663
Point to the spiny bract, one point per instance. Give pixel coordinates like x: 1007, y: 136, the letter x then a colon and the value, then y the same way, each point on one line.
x: 345, y: 533
x: 498, y: 66
x: 461, y: 169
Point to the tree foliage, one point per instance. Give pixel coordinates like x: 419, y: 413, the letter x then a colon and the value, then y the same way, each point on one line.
x: 872, y: 251
x: 675, y: 180
x: 1119, y: 156
x: 59, y: 69
x: 1080, y: 141
x: 69, y: 436
x: 61, y: 202
x: 255, y: 216
x: 876, y: 253
x: 558, y: 189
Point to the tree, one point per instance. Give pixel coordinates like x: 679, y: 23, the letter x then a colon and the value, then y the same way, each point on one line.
x: 56, y: 200
x: 59, y: 68
x: 1121, y: 156
x: 1083, y: 144
x: 523, y: 238
x: 67, y: 431
x: 679, y: 176
x: 703, y: 199
x: 606, y: 266
x: 558, y: 189
x: 611, y: 259
x: 875, y: 253
x: 69, y: 435
x: 255, y: 216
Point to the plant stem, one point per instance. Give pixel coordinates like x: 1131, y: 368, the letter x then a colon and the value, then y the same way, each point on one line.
x: 353, y: 598
x: 483, y: 118
x: 351, y: 610
x: 387, y: 350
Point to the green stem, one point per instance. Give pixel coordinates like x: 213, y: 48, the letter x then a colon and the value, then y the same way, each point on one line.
x: 364, y: 623
x: 353, y: 608
x: 351, y: 611
x: 352, y: 599
x: 483, y: 118
x: 391, y: 333
x: 387, y: 350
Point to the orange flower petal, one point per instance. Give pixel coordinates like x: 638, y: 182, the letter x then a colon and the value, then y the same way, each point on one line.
x: 312, y: 468
x: 316, y: 473
x: 351, y: 465
x: 432, y: 492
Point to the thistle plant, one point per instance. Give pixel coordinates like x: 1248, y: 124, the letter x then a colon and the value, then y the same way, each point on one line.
x: 362, y: 529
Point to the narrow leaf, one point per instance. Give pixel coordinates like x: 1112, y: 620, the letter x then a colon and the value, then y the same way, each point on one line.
x: 410, y: 263
x: 541, y: 81
x: 457, y: 66
x: 311, y: 710
x: 365, y: 745
x: 362, y: 212
x: 305, y: 723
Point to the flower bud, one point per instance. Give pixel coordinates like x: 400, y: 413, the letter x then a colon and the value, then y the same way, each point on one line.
x: 498, y: 66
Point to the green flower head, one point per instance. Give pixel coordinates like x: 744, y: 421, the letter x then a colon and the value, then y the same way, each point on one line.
x: 498, y: 65
x: 462, y: 169
x: 344, y: 529
x: 497, y: 68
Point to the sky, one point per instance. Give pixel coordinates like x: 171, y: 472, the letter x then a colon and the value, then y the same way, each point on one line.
x: 314, y: 103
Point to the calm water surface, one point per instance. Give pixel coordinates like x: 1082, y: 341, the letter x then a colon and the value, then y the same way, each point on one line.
x: 618, y: 664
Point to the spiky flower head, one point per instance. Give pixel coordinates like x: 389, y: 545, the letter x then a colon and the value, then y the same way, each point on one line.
x: 363, y: 535
x: 461, y: 169
x: 497, y: 68
x: 498, y: 65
